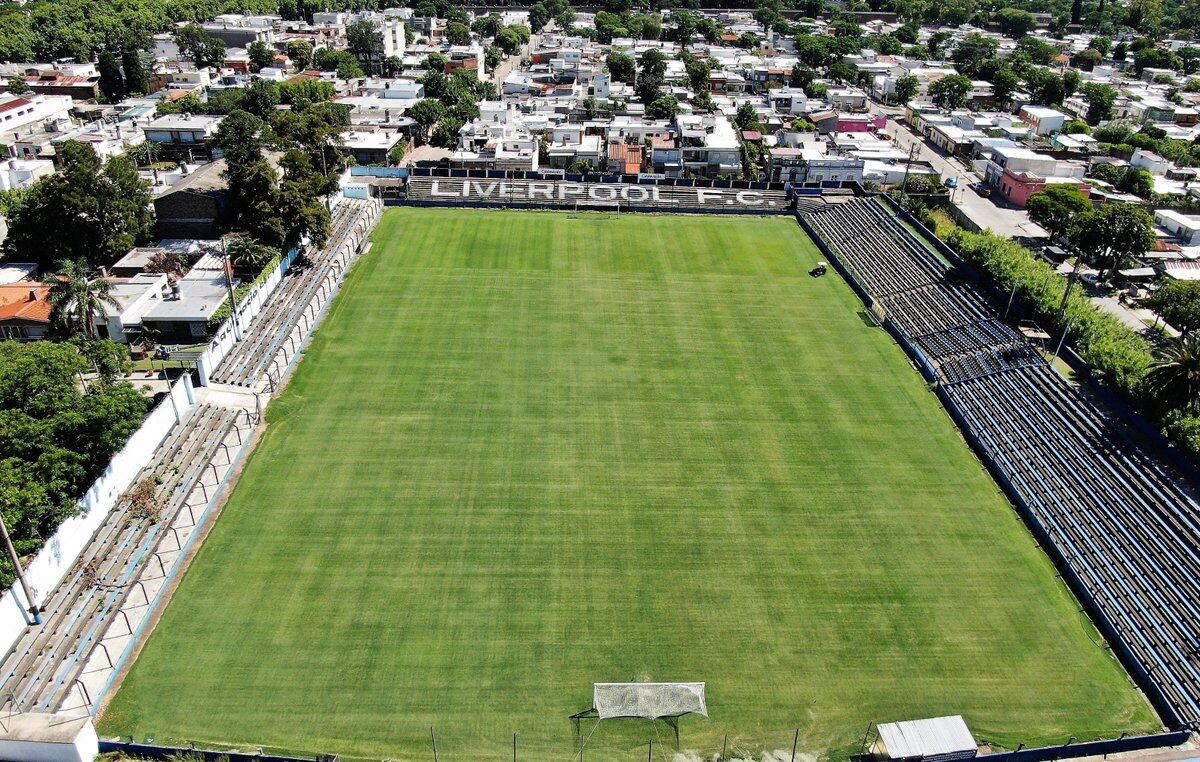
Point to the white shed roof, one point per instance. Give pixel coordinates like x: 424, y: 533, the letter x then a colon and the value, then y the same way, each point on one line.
x: 927, y: 738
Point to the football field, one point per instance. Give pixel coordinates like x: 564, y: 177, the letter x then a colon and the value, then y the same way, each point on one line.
x: 529, y: 451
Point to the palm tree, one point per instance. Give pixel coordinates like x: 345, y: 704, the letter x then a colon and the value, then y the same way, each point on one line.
x: 1174, y: 381
x: 144, y: 154
x: 75, y: 298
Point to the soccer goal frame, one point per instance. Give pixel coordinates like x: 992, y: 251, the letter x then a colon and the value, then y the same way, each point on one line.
x: 647, y: 701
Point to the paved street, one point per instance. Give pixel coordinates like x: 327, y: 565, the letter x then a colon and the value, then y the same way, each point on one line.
x: 984, y: 212
x: 1006, y: 221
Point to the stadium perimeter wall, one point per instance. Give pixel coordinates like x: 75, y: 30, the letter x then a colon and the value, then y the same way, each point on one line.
x: 1149, y: 687
x: 225, y: 336
x: 61, y: 551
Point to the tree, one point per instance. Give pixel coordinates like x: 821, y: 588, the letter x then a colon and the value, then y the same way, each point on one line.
x: 698, y: 72
x: 17, y: 86
x: 1178, y: 302
x: 508, y: 40
x: 973, y: 51
x: 364, y: 41
x: 203, y: 48
x: 683, y: 26
x: 1154, y: 58
x: 1004, y: 85
x: 458, y: 34
x: 1015, y: 22
x: 1087, y: 59
x: 426, y: 113
x: 621, y: 67
x: 144, y: 153
x: 137, y: 74
x: 1046, y: 86
x: 445, y: 135
x: 248, y: 255
x: 261, y: 54
x: 300, y: 52
x: 83, y: 212
x: 665, y: 107
x: 951, y: 92
x: 76, y: 298
x: 1100, y: 99
x: 907, y: 88
x: 435, y: 62
x: 1114, y: 234
x: 55, y: 438
x: 1174, y: 381
x: 261, y: 98
x: 1058, y: 209
x: 112, y: 79
x: 538, y: 16
x: 1137, y: 181
x: 746, y: 117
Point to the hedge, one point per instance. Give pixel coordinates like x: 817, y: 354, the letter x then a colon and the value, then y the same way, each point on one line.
x: 1115, y: 352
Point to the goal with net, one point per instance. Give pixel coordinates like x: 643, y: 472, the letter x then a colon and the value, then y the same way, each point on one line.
x: 647, y: 701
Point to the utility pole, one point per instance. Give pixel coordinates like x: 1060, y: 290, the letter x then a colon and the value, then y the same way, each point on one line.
x: 233, y: 308
x: 16, y: 562
x: 907, y: 166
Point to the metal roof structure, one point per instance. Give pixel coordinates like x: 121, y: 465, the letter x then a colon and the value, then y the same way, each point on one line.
x: 935, y: 737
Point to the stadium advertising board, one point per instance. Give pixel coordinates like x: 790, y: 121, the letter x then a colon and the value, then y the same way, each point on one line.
x: 562, y: 192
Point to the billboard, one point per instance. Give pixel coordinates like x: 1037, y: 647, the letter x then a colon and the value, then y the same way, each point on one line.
x: 567, y: 193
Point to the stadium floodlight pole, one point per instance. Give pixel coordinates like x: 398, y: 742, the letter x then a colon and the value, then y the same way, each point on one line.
x: 1011, y: 296
x: 16, y: 562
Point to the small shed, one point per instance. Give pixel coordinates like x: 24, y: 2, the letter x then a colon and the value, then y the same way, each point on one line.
x: 34, y: 737
x: 938, y: 739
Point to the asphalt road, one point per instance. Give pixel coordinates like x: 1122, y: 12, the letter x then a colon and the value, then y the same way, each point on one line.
x: 986, y: 213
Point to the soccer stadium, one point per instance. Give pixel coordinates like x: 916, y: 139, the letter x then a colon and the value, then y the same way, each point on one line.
x: 554, y: 482
x: 529, y: 451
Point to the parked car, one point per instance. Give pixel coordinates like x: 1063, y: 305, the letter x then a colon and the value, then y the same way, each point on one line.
x: 982, y: 189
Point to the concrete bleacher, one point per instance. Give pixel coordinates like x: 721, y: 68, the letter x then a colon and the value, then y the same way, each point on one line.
x: 249, y: 359
x: 1126, y: 531
x: 44, y: 666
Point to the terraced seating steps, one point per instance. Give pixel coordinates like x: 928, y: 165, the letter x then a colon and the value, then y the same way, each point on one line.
x: 1127, y: 530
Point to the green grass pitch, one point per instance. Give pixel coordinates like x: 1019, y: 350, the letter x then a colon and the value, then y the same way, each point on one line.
x: 529, y: 451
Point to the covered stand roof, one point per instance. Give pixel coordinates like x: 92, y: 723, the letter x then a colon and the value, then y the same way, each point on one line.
x: 935, y: 737
x: 649, y: 700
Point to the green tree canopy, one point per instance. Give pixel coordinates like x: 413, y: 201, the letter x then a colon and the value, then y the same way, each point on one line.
x: 83, y: 212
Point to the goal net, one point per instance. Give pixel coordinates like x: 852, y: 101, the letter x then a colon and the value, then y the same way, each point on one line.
x: 645, y: 701
x: 649, y: 700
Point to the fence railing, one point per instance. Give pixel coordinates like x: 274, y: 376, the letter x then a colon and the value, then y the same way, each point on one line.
x: 784, y: 745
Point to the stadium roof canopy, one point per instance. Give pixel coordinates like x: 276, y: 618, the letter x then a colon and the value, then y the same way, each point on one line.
x: 649, y: 700
x: 935, y: 738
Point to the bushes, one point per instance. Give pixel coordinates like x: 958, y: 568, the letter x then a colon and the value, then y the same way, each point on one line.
x: 1115, y: 352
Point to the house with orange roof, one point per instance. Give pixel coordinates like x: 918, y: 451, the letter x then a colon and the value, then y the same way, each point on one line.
x: 24, y: 311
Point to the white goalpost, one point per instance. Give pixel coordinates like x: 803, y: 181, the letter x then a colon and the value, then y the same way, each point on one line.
x: 647, y: 701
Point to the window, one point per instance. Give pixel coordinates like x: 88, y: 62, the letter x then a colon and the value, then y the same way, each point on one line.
x: 14, y: 332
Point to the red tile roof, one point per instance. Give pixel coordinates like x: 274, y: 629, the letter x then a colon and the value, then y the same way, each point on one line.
x: 17, y: 103
x: 17, y: 304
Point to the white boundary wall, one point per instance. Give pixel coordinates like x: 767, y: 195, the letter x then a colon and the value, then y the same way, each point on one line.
x: 61, y: 551
x: 252, y: 302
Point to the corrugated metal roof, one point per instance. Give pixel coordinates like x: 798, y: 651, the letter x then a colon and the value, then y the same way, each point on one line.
x: 927, y: 738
